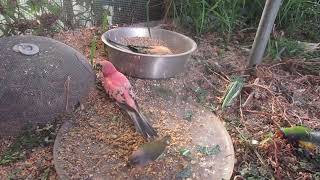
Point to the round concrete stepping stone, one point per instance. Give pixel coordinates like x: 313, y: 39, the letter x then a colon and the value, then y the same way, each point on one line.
x: 95, y: 144
x: 39, y: 78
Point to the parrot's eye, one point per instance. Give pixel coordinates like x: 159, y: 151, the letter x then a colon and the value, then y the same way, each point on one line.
x: 168, y: 140
x: 98, y: 67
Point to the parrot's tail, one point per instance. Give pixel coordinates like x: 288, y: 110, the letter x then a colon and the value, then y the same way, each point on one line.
x: 141, y: 123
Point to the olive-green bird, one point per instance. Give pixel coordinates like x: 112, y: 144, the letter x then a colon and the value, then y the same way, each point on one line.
x: 149, y: 152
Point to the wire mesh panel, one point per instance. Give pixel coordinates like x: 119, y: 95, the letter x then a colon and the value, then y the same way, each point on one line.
x: 43, y: 16
x: 133, y: 11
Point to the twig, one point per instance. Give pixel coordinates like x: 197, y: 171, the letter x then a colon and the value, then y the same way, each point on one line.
x: 262, y: 113
x: 226, y: 78
x: 259, y: 157
x: 256, y: 81
x: 300, y: 120
x: 276, y: 159
x: 250, y: 97
x: 285, y: 116
x: 263, y: 87
x: 241, y: 70
x: 67, y: 90
x: 278, y: 64
x: 248, y: 29
x: 201, y: 74
x: 272, y: 106
x: 240, y: 108
x: 284, y: 78
x: 222, y: 76
x: 252, y: 147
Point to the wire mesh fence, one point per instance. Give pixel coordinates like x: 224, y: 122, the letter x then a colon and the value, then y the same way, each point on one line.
x: 41, y: 16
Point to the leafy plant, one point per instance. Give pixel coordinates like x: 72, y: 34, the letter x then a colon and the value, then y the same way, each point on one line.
x: 93, y: 48
x: 19, y: 16
x: 228, y: 13
x: 295, y: 16
x: 26, y: 141
x: 205, y: 15
x: 296, y: 11
x: 284, y: 47
x: 105, y: 22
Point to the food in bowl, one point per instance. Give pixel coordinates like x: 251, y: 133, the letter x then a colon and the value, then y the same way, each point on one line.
x: 147, y: 45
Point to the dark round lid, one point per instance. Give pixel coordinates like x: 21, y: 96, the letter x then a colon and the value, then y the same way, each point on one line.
x: 39, y: 79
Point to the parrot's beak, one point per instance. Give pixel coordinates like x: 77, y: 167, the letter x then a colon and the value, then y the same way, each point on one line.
x: 130, y: 165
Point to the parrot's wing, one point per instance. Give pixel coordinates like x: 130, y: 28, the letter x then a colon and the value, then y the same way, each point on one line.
x: 120, y: 89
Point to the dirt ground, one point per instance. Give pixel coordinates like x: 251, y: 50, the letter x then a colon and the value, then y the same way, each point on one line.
x: 279, y: 94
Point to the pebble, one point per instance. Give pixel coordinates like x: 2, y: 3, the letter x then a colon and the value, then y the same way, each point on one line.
x: 113, y: 136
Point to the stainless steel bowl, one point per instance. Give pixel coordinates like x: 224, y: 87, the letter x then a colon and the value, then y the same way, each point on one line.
x: 145, y: 65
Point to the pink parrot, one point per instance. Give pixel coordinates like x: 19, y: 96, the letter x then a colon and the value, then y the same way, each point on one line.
x: 119, y: 88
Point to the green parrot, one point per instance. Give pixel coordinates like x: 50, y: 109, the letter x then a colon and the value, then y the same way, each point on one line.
x: 149, y: 152
x: 304, y: 136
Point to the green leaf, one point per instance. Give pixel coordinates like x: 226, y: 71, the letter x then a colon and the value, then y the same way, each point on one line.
x: 201, y: 94
x: 188, y: 115
x: 10, y: 157
x: 213, y: 150
x: 233, y: 91
x: 54, y: 8
x: 46, y: 174
x: 185, y: 152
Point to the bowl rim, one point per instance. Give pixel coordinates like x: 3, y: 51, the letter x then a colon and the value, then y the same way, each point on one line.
x: 194, y: 44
